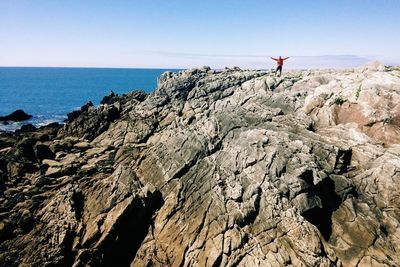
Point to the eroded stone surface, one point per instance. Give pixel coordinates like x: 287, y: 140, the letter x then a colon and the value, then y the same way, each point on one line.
x: 215, y: 168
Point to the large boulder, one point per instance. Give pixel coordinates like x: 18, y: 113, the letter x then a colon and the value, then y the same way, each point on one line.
x: 75, y: 114
x: 89, y: 121
x: 18, y: 115
x: 374, y: 66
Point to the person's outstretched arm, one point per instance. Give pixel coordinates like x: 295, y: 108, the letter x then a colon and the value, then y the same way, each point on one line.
x: 285, y: 58
x: 274, y: 59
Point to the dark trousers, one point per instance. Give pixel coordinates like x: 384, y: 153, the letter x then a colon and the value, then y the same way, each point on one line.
x: 280, y: 70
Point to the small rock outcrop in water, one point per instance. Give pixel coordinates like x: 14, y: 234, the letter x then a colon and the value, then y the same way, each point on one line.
x: 18, y: 115
x: 215, y: 168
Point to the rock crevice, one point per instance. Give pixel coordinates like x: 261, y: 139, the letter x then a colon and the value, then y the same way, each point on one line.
x: 215, y: 168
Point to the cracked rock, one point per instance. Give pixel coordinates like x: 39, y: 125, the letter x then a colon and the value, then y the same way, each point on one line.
x: 214, y: 168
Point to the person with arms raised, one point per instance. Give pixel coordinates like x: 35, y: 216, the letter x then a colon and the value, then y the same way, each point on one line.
x: 279, y: 61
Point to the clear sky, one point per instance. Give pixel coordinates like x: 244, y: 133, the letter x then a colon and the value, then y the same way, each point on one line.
x: 183, y: 33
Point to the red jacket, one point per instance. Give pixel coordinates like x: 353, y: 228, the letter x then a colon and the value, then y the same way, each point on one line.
x: 279, y: 60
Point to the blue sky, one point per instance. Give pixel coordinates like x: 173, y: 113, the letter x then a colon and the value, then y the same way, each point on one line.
x: 182, y: 34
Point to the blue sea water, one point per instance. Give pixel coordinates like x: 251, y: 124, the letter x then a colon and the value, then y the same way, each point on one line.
x: 48, y: 94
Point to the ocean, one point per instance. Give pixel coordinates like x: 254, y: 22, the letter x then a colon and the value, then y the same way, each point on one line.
x: 48, y: 94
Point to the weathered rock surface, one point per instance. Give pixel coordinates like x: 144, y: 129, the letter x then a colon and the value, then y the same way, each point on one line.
x: 215, y: 168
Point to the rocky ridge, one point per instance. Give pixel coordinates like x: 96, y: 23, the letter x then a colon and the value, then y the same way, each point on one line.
x: 215, y: 168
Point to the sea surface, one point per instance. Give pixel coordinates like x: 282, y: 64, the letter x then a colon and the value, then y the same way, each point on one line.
x: 48, y: 94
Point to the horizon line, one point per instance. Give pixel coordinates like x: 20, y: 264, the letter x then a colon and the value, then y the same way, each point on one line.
x: 188, y: 68
x: 88, y: 67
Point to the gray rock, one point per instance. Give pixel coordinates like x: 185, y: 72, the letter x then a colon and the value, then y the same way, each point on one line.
x: 224, y: 168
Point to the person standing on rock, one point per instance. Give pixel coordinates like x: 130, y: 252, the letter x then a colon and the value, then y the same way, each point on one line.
x: 279, y: 61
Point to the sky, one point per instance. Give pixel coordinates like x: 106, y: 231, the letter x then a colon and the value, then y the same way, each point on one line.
x: 185, y: 34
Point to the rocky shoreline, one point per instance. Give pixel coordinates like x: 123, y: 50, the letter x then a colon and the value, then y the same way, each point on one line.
x: 215, y: 168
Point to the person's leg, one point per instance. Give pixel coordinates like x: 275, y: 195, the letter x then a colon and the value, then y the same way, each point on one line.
x: 280, y: 70
x: 276, y: 71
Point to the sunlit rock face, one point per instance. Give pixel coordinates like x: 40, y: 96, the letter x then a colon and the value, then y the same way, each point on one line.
x: 215, y: 168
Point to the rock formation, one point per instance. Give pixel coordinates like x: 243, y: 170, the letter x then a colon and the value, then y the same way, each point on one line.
x: 18, y: 115
x: 215, y: 168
